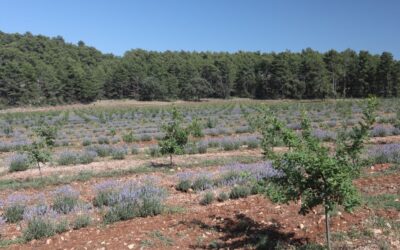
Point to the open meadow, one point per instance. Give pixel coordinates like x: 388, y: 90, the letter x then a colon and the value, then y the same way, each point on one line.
x: 106, y: 184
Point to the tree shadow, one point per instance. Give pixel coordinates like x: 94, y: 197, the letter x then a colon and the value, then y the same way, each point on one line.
x: 244, y: 232
x: 160, y: 165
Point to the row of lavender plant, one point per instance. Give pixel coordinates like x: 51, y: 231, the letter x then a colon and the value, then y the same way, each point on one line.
x: 44, y: 215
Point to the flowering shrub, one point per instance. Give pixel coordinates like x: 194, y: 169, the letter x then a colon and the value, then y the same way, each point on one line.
x: 101, y: 150
x: 68, y: 158
x: 103, y: 140
x: 237, y: 173
x: 207, y: 199
x: 119, y: 153
x: 105, y: 192
x: 19, y: 162
x: 387, y: 153
x: 65, y: 199
x: 128, y: 200
x: 14, y: 207
x: 41, y: 221
x: 324, y: 135
x: 239, y: 192
x: 230, y: 144
x: 82, y: 217
x: 382, y: 131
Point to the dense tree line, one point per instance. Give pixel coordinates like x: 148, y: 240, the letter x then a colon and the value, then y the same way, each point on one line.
x: 40, y: 70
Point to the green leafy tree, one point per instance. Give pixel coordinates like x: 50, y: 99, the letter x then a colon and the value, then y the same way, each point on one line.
x: 197, y: 88
x: 196, y: 129
x: 151, y: 89
x: 385, y: 73
x: 40, y: 150
x: 309, y: 171
x: 314, y: 74
x: 176, y: 137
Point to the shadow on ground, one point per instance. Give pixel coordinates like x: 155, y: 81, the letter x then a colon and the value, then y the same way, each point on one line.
x: 243, y: 232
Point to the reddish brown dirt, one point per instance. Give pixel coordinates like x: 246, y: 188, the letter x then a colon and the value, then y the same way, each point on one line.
x: 375, y: 185
x: 385, y: 140
x: 234, y: 224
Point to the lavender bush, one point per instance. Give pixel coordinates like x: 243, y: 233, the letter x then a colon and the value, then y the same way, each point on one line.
x: 324, y: 135
x: 237, y: 173
x: 119, y: 153
x: 19, y: 162
x: 41, y: 221
x: 65, y: 199
x: 105, y: 193
x: 134, y: 199
x: 387, y: 153
x: 14, y: 207
x: 382, y: 131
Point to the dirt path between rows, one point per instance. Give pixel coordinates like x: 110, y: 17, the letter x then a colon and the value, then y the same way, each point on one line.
x: 129, y: 162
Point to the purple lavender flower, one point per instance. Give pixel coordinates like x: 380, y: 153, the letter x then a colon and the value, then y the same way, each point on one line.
x: 385, y: 153
x: 16, y: 199
x: 238, y: 173
x: 324, y: 135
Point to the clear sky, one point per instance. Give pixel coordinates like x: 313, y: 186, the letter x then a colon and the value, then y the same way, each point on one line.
x: 214, y: 25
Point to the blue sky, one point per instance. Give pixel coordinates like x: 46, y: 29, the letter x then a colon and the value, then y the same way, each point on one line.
x: 116, y: 26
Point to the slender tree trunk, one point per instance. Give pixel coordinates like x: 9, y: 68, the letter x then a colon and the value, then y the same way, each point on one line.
x: 40, y: 170
x: 327, y: 229
x: 170, y: 159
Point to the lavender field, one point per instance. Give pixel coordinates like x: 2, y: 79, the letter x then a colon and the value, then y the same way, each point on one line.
x: 106, y: 166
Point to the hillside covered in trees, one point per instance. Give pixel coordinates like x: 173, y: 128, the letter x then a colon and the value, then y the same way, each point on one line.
x: 38, y: 70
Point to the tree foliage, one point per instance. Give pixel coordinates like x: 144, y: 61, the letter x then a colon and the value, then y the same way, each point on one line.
x: 37, y: 70
x: 176, y: 137
x: 310, y: 171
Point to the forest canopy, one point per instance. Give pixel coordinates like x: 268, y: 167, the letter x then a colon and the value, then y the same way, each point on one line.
x: 38, y: 70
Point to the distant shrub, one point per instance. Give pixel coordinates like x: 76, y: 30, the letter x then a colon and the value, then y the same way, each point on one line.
x: 387, y: 153
x: 202, y: 182
x: 86, y: 142
x: 81, y: 221
x: 243, y: 129
x: 211, y: 123
x: 68, y: 158
x: 105, y: 194
x: 382, y: 131
x: 129, y: 137
x: 41, y: 223
x: 134, y: 150
x: 87, y: 157
x: 324, y: 135
x: 101, y: 150
x: 112, y: 131
x: 202, y: 147
x: 38, y: 228
x: 118, y: 153
x: 19, y: 162
x: 133, y: 201
x: 115, y: 139
x: 154, y: 151
x: 222, y: 197
x: 103, y: 140
x: 65, y: 199
x: 207, y: 199
x: 230, y: 144
x: 145, y: 137
x: 14, y: 207
x: 7, y: 129
x: 184, y: 185
x: 239, y: 192
x: 61, y: 226
x: 122, y: 211
x: 196, y: 129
